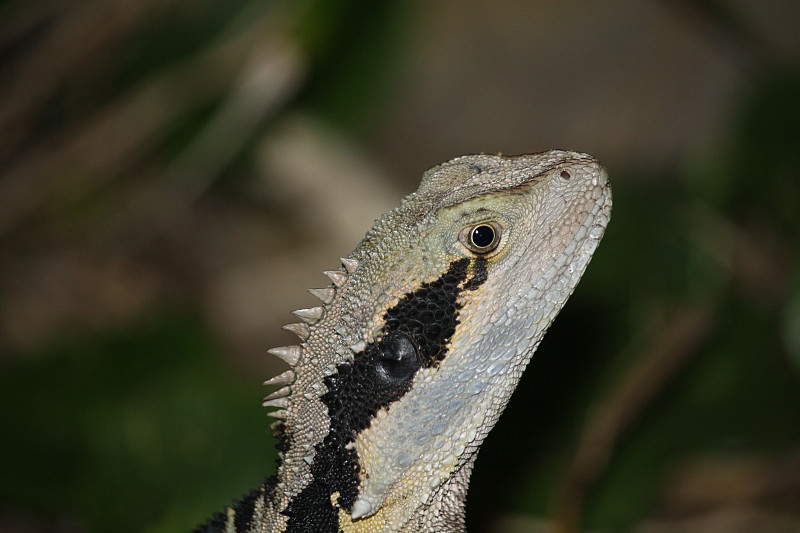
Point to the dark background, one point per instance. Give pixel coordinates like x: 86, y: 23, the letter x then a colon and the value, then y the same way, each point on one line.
x: 175, y: 174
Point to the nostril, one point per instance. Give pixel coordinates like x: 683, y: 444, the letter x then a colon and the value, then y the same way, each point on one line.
x: 565, y: 174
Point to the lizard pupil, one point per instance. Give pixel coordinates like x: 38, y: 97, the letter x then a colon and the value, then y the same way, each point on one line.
x: 482, y: 236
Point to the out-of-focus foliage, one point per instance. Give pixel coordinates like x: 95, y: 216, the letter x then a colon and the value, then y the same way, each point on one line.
x: 173, y: 175
x: 110, y: 431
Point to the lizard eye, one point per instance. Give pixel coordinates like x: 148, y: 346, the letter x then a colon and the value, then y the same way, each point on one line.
x: 481, y: 238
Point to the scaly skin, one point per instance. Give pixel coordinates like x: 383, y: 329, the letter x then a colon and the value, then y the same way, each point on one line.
x: 421, y: 339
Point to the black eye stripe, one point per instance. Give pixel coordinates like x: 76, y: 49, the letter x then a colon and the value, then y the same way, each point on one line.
x: 429, y: 315
x: 415, y: 334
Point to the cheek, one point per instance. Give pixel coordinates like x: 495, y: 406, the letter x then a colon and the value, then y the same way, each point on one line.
x: 392, y: 449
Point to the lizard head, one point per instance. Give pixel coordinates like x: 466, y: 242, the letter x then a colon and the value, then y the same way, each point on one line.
x: 425, y: 333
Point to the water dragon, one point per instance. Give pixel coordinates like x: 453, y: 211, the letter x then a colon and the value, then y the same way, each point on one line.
x: 422, y: 336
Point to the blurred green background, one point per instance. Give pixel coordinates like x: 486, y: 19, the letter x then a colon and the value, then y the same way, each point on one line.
x: 174, y: 175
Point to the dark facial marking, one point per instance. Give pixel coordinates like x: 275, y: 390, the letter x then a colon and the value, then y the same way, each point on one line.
x: 480, y: 273
x: 415, y: 334
x: 429, y: 315
x: 378, y: 376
